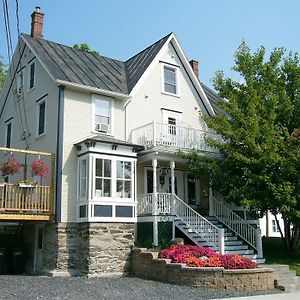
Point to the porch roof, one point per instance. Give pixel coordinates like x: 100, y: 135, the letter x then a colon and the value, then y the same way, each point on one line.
x: 102, y: 138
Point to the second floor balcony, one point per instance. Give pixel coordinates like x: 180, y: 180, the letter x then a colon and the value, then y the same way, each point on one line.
x: 173, y: 137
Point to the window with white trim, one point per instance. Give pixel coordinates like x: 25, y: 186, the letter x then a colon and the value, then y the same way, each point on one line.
x: 102, y: 115
x: 170, y: 81
x: 124, y: 179
x: 31, y: 75
x: 274, y: 226
x: 41, y: 118
x: 103, y: 178
x: 83, y: 178
x: 8, y: 135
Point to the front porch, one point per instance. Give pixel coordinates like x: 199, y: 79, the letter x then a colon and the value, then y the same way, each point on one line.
x: 173, y: 200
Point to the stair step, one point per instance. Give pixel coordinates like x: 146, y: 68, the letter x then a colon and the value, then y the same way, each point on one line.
x: 236, y: 247
x: 233, y: 243
x: 241, y: 252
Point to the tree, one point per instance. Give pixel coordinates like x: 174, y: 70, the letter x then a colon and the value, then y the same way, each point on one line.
x: 85, y: 47
x: 2, y: 73
x: 259, y: 165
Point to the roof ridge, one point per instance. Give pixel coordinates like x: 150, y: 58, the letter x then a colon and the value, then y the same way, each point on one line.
x: 149, y: 46
x: 60, y: 44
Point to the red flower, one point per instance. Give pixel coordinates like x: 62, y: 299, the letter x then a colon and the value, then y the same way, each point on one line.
x: 39, y: 168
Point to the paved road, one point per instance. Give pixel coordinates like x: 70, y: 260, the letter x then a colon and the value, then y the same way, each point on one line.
x: 61, y: 288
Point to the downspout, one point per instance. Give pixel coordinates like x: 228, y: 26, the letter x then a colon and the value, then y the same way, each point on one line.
x: 59, y: 152
x: 126, y: 119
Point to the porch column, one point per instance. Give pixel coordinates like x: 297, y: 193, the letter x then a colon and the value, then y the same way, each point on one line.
x: 154, y: 202
x: 172, y: 167
x: 211, y: 201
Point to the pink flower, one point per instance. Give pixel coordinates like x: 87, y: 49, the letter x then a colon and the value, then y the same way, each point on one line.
x: 39, y: 168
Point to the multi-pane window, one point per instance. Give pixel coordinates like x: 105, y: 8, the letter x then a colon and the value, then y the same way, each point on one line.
x: 172, y: 125
x: 274, y: 226
x: 102, y: 115
x: 170, y: 85
x: 103, y: 178
x: 8, y: 135
x: 41, y: 118
x: 31, y: 75
x: 124, y: 179
x: 83, y: 178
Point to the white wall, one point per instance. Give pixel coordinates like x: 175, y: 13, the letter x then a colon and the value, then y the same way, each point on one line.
x: 148, y: 100
x: 264, y: 224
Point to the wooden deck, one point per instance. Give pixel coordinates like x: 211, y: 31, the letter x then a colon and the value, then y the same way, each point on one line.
x: 26, y: 203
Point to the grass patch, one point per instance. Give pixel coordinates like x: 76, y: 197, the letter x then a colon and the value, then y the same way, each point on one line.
x: 275, y: 253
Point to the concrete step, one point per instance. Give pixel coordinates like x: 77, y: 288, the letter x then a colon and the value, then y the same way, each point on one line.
x: 236, y: 247
x: 241, y: 252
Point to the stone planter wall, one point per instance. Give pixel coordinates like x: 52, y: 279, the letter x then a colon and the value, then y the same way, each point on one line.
x: 99, y: 249
x: 145, y: 264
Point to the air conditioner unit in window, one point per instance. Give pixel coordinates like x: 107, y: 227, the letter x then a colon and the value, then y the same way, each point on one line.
x: 102, y: 127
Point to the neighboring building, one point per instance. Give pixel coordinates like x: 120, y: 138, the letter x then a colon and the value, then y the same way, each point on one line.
x: 115, y: 128
x: 269, y: 227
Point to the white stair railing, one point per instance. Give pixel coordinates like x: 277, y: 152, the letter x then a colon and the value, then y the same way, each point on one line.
x: 235, y: 223
x: 144, y: 206
x: 210, y: 233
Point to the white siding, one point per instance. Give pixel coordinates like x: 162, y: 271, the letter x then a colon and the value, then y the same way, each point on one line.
x: 148, y: 101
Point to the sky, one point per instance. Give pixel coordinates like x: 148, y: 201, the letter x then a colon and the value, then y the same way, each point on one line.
x: 209, y: 31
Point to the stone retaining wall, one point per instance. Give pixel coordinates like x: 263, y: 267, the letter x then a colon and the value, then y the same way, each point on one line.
x: 145, y: 264
x: 98, y: 249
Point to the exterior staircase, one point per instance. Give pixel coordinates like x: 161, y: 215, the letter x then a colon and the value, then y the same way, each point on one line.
x: 233, y: 244
x: 286, y: 278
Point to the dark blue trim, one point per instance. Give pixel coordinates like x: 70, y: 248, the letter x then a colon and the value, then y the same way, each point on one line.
x: 59, y: 152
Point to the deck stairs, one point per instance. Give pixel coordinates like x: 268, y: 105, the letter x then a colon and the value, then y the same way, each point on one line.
x: 285, y: 277
x: 233, y: 243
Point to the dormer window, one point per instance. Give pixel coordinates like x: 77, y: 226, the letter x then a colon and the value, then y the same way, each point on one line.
x: 170, y: 80
x: 102, y: 114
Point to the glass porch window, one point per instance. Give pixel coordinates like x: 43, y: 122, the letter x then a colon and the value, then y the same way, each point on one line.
x: 103, y: 178
x: 124, y: 179
x: 83, y: 179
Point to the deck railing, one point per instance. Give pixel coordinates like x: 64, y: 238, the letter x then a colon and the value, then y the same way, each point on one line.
x: 167, y: 203
x: 171, y: 136
x: 234, y: 222
x: 33, y: 200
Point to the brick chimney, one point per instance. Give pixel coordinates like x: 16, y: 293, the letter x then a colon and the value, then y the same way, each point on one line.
x: 194, y: 65
x: 37, y: 18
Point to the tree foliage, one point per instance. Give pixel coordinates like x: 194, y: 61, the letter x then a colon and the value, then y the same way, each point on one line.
x: 259, y: 165
x: 2, y: 73
x: 85, y: 47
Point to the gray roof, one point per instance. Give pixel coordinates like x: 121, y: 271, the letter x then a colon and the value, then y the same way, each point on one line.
x: 81, y: 67
x: 214, y: 99
x: 137, y: 65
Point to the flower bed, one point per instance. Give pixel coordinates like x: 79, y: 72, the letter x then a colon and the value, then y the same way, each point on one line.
x: 147, y: 264
x: 194, y: 256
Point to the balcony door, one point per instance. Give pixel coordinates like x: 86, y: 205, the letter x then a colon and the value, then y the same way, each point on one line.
x: 171, y: 123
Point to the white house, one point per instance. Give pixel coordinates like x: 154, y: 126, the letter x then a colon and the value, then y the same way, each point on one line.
x: 115, y: 129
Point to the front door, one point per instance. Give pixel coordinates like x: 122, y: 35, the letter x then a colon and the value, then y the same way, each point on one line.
x: 171, y: 127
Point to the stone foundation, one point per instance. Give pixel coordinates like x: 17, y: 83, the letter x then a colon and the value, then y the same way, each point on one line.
x: 96, y: 249
x: 145, y: 264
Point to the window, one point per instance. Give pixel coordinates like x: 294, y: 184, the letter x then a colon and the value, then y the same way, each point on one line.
x: 102, y: 115
x: 83, y: 178
x: 8, y: 134
x: 42, y: 118
x: 32, y: 75
x: 170, y: 80
x: 103, y: 178
x: 172, y: 125
x: 274, y: 226
x: 124, y: 211
x: 103, y: 211
x: 124, y: 179
x: 83, y: 211
x: 20, y: 80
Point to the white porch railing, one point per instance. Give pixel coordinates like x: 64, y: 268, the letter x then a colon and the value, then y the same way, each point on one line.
x: 171, y: 136
x: 168, y: 204
x: 234, y: 222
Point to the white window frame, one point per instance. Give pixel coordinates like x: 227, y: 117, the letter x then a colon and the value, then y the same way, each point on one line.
x: 177, y: 85
x: 6, y: 133
x: 29, y: 75
x: 96, y: 97
x: 39, y: 103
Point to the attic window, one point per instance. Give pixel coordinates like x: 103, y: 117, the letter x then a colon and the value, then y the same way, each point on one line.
x: 31, y: 75
x: 170, y: 80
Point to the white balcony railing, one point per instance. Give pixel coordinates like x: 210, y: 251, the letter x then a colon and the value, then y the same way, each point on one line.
x: 174, y: 137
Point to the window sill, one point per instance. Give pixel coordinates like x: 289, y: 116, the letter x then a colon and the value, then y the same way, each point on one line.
x: 40, y: 136
x: 170, y: 94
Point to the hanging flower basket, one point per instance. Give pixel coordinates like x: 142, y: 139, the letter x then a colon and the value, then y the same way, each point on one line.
x: 39, y: 168
x: 10, y: 167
